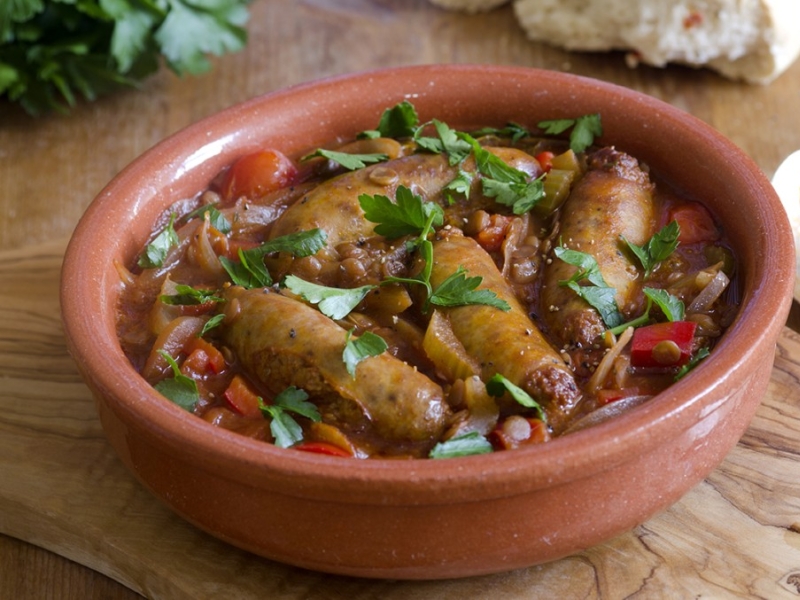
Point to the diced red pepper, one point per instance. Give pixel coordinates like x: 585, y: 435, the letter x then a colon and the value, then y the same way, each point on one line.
x: 242, y: 398
x: 663, y: 344
x: 607, y: 396
x: 545, y: 160
x: 203, y: 358
x: 518, y: 431
x: 323, y: 448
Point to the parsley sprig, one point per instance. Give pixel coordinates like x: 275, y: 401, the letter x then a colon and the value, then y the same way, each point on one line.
x: 658, y: 248
x: 351, y: 162
x: 285, y: 429
x: 180, y: 389
x: 467, y: 444
x: 595, y: 290
x: 155, y: 253
x: 499, y: 385
x: 332, y: 302
x: 584, y: 130
x: 368, y: 344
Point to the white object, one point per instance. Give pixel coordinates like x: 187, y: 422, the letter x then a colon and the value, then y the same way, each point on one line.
x: 787, y: 183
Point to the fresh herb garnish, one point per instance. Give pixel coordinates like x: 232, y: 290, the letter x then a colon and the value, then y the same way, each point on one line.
x: 284, y: 428
x: 408, y: 215
x: 251, y: 272
x: 156, y: 251
x: 213, y: 322
x: 179, y: 388
x: 461, y: 184
x: 671, y: 306
x: 54, y: 51
x: 584, y: 130
x: 215, y: 218
x: 357, y: 349
x: 514, y: 131
x: 693, y: 362
x: 467, y: 444
x: 332, y: 302
x: 186, y: 295
x: 349, y: 161
x: 598, y: 294
x: 499, y: 385
x: 658, y: 248
x: 460, y: 290
x: 400, y: 121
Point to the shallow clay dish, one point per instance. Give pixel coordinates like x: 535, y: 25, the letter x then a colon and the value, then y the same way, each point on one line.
x: 432, y: 518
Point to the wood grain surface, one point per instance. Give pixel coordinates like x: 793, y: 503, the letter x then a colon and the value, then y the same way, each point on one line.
x: 736, y: 535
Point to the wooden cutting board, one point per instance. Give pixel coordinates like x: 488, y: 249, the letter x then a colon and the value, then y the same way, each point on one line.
x: 736, y: 534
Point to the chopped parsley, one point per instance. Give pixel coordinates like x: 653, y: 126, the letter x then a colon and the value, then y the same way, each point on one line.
x: 179, y: 388
x: 332, y: 302
x: 658, y: 248
x: 460, y: 290
x: 499, y: 385
x: 357, y: 349
x: 693, y: 362
x: 155, y: 253
x: 467, y: 444
x: 597, y: 293
x: 408, y: 215
x: 349, y: 161
x: 584, y: 130
x: 286, y: 431
x: 186, y: 295
x: 400, y: 121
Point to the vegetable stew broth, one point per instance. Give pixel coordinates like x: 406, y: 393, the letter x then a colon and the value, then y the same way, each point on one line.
x: 425, y: 292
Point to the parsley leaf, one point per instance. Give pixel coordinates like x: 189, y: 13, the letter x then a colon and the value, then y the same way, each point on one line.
x: 186, y: 295
x: 585, y: 129
x: 460, y: 290
x: 456, y: 148
x: 693, y: 362
x: 409, y: 214
x: 400, y: 121
x: 156, y: 251
x: 598, y: 295
x: 216, y: 218
x: 179, y: 388
x: 299, y: 244
x: 658, y: 248
x: 347, y: 160
x: 467, y: 444
x: 357, y: 349
x: 284, y: 428
x: 461, y: 184
x: 499, y: 385
x: 514, y: 131
x: 671, y: 306
x: 335, y: 303
x: 213, y: 322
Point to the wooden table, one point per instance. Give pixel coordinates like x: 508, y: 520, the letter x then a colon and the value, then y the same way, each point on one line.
x: 737, y: 534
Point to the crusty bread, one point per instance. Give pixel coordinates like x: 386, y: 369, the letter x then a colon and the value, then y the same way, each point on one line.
x: 751, y: 40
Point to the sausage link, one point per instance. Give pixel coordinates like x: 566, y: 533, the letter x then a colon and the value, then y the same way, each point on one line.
x: 283, y: 342
x: 505, y: 342
x: 613, y: 199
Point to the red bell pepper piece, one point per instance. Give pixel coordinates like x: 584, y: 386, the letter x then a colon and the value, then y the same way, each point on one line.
x: 663, y: 344
x: 242, y: 399
x: 323, y: 448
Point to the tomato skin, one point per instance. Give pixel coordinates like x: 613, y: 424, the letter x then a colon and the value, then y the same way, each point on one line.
x: 242, y: 399
x: 647, y: 340
x: 491, y: 238
x: 322, y: 448
x: 696, y: 223
x: 255, y: 175
x: 545, y: 159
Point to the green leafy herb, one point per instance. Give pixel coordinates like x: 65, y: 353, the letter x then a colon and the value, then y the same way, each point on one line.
x: 499, y: 385
x: 156, y: 251
x: 467, y: 444
x: 460, y: 290
x: 456, y: 148
x: 286, y: 431
x: 357, y: 349
x: 597, y: 294
x: 179, y: 388
x: 693, y: 362
x: 251, y: 272
x: 332, y: 302
x: 347, y: 160
x: 216, y: 219
x: 186, y: 295
x: 400, y: 121
x: 461, y: 184
x: 671, y: 306
x: 52, y: 51
x: 513, y: 130
x: 658, y: 248
x: 213, y: 322
x: 584, y: 130
x: 409, y: 214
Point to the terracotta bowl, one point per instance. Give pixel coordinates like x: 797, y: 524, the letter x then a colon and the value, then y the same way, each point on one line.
x: 432, y: 518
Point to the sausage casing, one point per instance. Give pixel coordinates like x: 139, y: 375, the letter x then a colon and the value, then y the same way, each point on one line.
x: 283, y: 342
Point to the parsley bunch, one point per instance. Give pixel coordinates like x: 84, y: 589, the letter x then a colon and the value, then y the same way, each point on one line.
x: 52, y: 51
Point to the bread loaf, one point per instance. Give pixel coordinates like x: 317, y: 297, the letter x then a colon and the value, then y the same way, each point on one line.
x: 750, y: 40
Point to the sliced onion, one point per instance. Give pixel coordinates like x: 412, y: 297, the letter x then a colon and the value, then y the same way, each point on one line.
x: 173, y: 340
x: 605, y: 366
x: 445, y: 350
x: 713, y: 290
x: 609, y: 411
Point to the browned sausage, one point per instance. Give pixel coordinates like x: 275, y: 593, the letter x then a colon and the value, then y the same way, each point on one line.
x: 613, y: 199
x: 283, y: 342
x: 334, y: 207
x: 505, y: 342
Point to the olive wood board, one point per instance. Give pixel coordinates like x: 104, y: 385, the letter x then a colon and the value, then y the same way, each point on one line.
x: 734, y: 535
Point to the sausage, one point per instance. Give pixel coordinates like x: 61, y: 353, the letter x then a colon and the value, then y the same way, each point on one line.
x: 283, y: 342
x: 613, y: 199
x: 334, y: 207
x: 505, y: 342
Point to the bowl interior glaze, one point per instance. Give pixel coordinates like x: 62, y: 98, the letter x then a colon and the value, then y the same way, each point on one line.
x: 432, y: 519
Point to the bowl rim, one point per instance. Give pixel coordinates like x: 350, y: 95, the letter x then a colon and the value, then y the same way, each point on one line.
x: 500, y: 473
